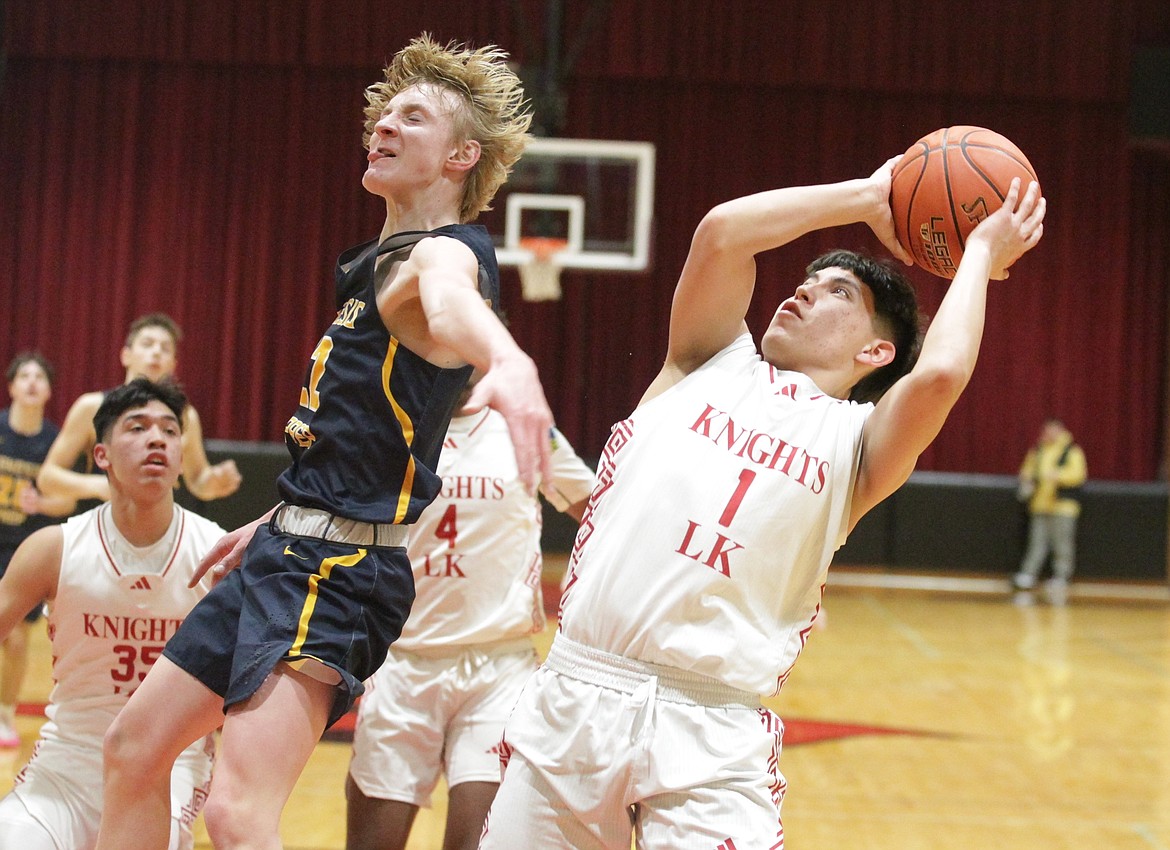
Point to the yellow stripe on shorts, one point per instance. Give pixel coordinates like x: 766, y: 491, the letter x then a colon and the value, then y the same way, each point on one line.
x: 311, y: 600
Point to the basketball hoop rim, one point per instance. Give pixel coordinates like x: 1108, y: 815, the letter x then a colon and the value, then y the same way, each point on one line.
x: 543, y: 248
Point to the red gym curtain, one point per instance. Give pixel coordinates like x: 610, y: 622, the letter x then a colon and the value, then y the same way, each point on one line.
x: 203, y: 158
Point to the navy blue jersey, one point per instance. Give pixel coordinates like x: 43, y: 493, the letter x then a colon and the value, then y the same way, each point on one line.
x: 20, y: 461
x: 367, y: 434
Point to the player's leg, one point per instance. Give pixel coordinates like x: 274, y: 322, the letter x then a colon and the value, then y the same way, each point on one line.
x: 713, y: 781
x: 528, y: 812
x: 19, y: 830
x: 266, y: 742
x: 13, y: 664
x: 708, y: 817
x: 190, y: 785
x: 467, y: 808
x: 492, y: 684
x: 568, y: 754
x: 398, y: 747
x: 373, y: 824
x: 170, y: 710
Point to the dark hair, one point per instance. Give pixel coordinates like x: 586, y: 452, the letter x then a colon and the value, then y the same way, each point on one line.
x: 154, y: 320
x: 895, y: 305
x: 29, y: 357
x: 137, y: 393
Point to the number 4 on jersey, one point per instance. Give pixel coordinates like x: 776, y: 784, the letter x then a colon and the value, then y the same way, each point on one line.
x: 446, y: 566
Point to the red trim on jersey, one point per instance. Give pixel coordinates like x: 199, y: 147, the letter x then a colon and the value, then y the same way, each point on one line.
x: 482, y: 419
x: 101, y: 529
x: 178, y: 541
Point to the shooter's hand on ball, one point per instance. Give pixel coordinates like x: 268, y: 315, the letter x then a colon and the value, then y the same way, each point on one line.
x: 882, y: 222
x: 1012, y: 230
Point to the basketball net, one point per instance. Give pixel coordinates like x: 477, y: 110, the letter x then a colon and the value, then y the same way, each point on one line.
x: 540, y: 277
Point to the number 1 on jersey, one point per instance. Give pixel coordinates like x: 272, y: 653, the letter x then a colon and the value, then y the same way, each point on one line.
x: 746, y: 477
x: 310, y: 399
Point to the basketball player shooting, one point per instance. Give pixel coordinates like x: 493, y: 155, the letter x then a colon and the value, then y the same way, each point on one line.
x: 693, y: 586
x: 279, y: 649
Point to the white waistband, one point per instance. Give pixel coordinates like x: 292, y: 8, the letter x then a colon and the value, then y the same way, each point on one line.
x: 619, y: 673
x: 314, y: 522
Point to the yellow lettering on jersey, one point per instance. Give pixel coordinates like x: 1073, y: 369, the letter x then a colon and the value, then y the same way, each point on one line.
x: 310, y: 398
x: 300, y: 432
x: 349, y: 312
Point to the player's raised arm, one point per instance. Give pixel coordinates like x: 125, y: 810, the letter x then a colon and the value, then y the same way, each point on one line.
x: 718, y: 279
x: 910, y: 415
x: 458, y: 319
x: 57, y: 477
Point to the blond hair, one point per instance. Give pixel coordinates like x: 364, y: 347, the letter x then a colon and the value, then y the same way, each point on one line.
x: 494, y: 113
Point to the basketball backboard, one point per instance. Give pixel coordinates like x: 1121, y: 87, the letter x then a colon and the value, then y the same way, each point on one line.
x: 596, y: 195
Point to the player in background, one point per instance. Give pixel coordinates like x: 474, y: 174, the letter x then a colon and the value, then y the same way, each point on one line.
x: 25, y: 437
x: 150, y: 351
x: 700, y: 564
x: 116, y: 580
x: 280, y: 647
x: 438, y: 703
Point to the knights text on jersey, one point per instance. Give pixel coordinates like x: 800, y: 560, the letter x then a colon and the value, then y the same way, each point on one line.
x: 111, y: 615
x: 475, y: 550
x: 372, y: 414
x: 717, y: 509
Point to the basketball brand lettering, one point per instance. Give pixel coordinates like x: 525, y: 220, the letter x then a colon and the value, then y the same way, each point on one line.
x: 762, y: 449
x: 349, y: 312
x: 935, y: 249
x: 299, y: 432
x: 153, y: 629
x: 976, y: 210
x: 788, y: 390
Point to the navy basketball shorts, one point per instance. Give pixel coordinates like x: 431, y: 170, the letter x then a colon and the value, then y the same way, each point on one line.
x: 329, y: 609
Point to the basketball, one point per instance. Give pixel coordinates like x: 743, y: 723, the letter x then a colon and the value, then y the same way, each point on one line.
x: 945, y: 184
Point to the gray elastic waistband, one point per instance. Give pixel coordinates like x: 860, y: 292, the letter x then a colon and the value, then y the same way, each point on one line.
x: 619, y: 673
x: 313, y: 522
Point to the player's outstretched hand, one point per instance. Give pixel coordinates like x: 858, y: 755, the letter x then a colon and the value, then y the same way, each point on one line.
x: 225, y: 555
x: 512, y: 387
x: 882, y: 220
x: 1012, y: 230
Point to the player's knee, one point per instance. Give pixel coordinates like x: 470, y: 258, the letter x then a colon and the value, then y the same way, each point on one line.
x: 127, y: 757
x: 231, y: 822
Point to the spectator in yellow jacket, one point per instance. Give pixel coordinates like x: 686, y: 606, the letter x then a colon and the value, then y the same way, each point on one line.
x: 1050, y: 482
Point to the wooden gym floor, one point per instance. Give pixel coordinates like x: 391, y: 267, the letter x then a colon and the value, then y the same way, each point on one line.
x: 923, y: 715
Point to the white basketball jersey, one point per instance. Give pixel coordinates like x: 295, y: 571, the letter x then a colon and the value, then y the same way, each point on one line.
x: 717, y: 509
x: 115, y: 607
x: 475, y: 550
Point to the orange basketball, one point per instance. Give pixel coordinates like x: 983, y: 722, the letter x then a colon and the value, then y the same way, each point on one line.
x: 947, y: 183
